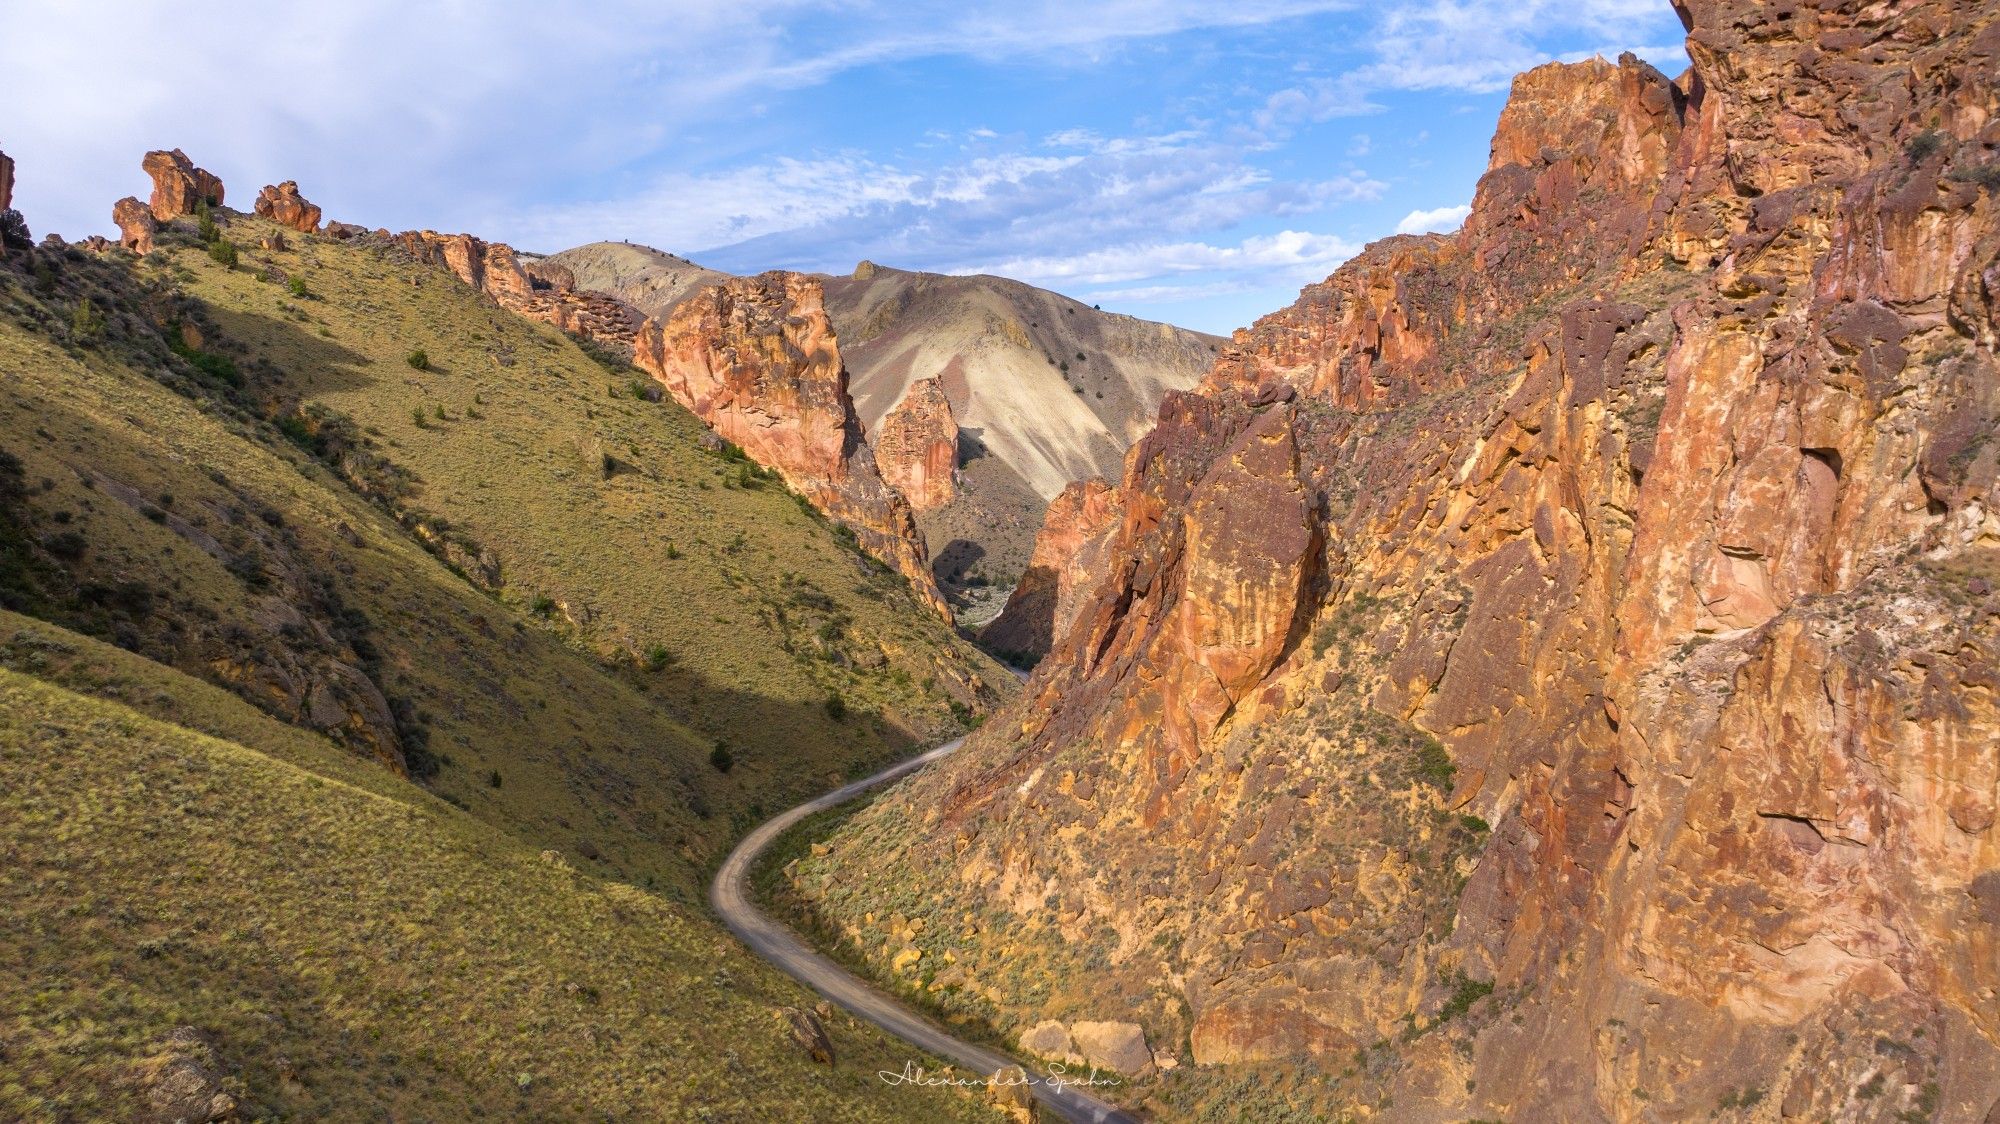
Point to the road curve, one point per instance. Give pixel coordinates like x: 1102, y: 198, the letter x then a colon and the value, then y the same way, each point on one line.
x: 778, y: 944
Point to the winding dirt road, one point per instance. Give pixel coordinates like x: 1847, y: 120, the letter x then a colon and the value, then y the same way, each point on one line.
x: 774, y: 942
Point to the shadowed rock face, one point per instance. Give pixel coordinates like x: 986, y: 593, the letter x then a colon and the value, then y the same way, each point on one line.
x: 6, y: 181
x: 136, y: 225
x: 179, y: 188
x: 1069, y: 550
x: 1650, y: 518
x: 916, y: 446
x: 757, y: 360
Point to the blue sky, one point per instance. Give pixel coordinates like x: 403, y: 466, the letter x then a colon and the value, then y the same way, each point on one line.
x: 1191, y: 162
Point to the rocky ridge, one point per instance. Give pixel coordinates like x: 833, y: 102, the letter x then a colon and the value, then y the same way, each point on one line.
x: 756, y: 359
x: 1552, y: 666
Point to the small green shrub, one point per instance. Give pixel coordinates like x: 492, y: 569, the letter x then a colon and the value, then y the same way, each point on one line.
x: 224, y: 252
x: 721, y: 758
x: 418, y: 360
x: 297, y: 285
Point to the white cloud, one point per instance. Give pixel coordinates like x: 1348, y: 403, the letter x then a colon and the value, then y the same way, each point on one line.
x: 1439, y: 220
x: 1293, y: 253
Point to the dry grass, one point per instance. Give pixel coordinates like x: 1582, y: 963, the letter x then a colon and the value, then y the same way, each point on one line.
x: 358, y: 948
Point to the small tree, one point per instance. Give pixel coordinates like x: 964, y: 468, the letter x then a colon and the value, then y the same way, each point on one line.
x: 721, y: 758
x: 418, y: 360
x: 224, y: 252
x: 86, y: 323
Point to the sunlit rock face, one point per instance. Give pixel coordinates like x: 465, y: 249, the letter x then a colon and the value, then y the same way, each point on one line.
x: 1596, y: 605
x: 756, y: 359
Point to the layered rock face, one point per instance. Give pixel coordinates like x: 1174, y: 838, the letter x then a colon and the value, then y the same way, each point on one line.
x: 538, y: 290
x: 179, y: 188
x: 1069, y: 552
x: 285, y: 206
x: 756, y: 359
x: 916, y: 446
x: 1549, y: 672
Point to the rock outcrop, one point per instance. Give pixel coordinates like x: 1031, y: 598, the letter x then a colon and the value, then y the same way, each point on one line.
x: 1555, y: 663
x: 179, y: 188
x: 756, y: 359
x: 1069, y: 551
x: 136, y: 225
x: 916, y: 446
x: 538, y: 290
x: 6, y: 182
x: 182, y: 1081
x: 285, y: 206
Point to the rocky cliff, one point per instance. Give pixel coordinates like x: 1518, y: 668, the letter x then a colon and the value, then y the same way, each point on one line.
x: 284, y: 205
x: 1548, y: 672
x: 916, y: 446
x: 533, y: 289
x: 756, y: 359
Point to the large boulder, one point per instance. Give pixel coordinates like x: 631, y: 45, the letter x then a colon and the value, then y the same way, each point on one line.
x: 1118, y: 1047
x: 284, y: 205
x: 136, y: 224
x: 1011, y: 1092
x: 179, y: 187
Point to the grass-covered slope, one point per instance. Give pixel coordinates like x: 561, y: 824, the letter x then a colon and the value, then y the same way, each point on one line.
x: 316, y: 650
x: 357, y: 948
x: 573, y: 612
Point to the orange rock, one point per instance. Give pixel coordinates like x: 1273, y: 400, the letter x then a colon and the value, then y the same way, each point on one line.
x: 284, y: 205
x: 136, y: 225
x: 178, y: 186
x: 1068, y: 553
x: 917, y: 446
x: 756, y: 359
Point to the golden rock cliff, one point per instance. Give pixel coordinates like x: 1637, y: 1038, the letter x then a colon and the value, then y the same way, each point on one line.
x: 756, y: 359
x: 1549, y: 671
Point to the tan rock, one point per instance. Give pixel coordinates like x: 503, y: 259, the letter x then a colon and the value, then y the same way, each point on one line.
x: 1049, y: 1039
x: 807, y: 1032
x: 1116, y: 1046
x: 136, y: 225
x: 1009, y: 1091
x: 181, y: 1082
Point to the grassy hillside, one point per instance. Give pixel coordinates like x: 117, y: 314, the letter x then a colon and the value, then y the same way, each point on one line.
x: 432, y: 616
x: 574, y: 612
x: 356, y: 947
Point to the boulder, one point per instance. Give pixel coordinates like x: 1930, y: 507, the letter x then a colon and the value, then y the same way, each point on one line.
x: 1118, y: 1047
x: 1050, y: 1039
x: 181, y: 1081
x: 284, y: 205
x: 808, y: 1033
x: 136, y: 224
x: 1009, y: 1090
x: 178, y: 186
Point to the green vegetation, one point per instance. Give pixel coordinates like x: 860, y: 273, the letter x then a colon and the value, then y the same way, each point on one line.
x: 269, y: 518
x: 418, y: 360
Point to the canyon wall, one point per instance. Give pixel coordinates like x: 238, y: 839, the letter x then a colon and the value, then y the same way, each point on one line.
x: 756, y: 359
x: 1549, y: 671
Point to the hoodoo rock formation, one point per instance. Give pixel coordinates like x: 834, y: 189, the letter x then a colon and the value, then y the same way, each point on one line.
x: 1549, y: 671
x: 179, y: 188
x: 756, y: 359
x: 916, y: 446
x: 285, y: 206
x: 6, y: 182
x: 136, y: 225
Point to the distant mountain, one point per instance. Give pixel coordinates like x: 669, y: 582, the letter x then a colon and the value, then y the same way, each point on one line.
x: 1039, y: 390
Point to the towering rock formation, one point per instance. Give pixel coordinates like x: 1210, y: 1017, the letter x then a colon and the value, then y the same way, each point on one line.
x: 6, y: 182
x: 916, y: 446
x: 1650, y: 520
x: 179, y: 188
x: 285, y: 206
x: 757, y: 360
